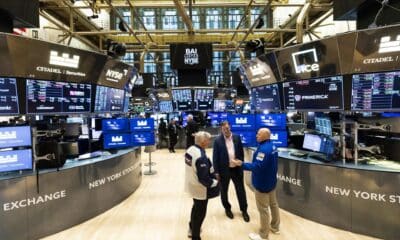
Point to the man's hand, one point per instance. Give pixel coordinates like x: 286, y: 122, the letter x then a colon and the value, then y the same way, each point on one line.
x: 237, y: 162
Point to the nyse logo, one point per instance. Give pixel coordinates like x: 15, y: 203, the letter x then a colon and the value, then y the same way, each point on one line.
x: 64, y: 60
x: 115, y: 74
x: 191, y: 56
x: 387, y: 46
x: 8, y: 135
x: 9, y: 158
x: 116, y: 139
x: 274, y: 136
x: 142, y: 123
x: 241, y: 120
x: 310, y: 57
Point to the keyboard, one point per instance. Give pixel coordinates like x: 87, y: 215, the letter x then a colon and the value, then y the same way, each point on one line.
x: 299, y: 154
x: 319, y: 158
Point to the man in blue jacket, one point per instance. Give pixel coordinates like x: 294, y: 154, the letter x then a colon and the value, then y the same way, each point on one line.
x: 264, y: 168
x: 227, y: 147
x: 200, y: 183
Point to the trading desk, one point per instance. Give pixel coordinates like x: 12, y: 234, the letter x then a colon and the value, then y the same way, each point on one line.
x: 35, y: 206
x: 359, y: 198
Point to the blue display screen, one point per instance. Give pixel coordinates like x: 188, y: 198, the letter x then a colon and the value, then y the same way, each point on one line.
x: 142, y: 124
x: 242, y: 122
x: 279, y: 138
x: 165, y: 106
x: 117, y: 140
x: 15, y: 136
x: 248, y: 138
x: 113, y: 125
x: 15, y: 160
x: 216, y: 118
x: 143, y: 139
x: 273, y: 121
x: 109, y: 99
x: 323, y: 126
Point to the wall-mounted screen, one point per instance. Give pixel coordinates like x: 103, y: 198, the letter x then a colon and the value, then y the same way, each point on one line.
x: 223, y: 105
x: 15, y: 160
x: 117, y: 140
x: 266, y: 97
x: 275, y: 121
x: 248, y: 138
x: 57, y: 97
x: 314, y: 94
x: 203, y: 98
x: 142, y: 124
x: 279, y: 138
x: 143, y: 139
x: 182, y: 99
x: 165, y: 106
x: 15, y: 136
x: 109, y: 99
x: 8, y: 96
x: 115, y: 125
x: 242, y: 122
x: 323, y: 126
x: 376, y: 91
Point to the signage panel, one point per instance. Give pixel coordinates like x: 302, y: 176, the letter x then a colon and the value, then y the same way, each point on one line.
x: 15, y: 136
x: 15, y: 160
x: 242, y: 122
x: 191, y: 56
x: 115, y: 74
x: 142, y: 124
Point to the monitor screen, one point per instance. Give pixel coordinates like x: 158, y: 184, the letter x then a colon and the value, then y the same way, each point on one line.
x: 109, y: 99
x: 15, y: 160
x: 117, y: 140
x: 223, y: 105
x: 376, y: 91
x: 203, y: 98
x: 312, y: 142
x: 323, y: 126
x: 72, y: 130
x: 8, y: 96
x: 15, y: 136
x: 143, y: 139
x: 96, y: 134
x: 279, y: 138
x: 182, y: 99
x: 259, y: 73
x: 115, y: 125
x: 142, y: 124
x: 242, y: 121
x: 216, y: 118
x: 314, y: 94
x: 275, y: 121
x: 57, y: 97
x: 165, y: 106
x: 266, y: 97
x: 248, y: 138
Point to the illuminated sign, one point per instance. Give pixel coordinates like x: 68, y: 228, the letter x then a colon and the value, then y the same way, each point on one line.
x: 191, y: 56
x: 64, y: 60
x: 305, y: 68
x: 386, y: 46
x: 241, y: 120
x: 116, y: 139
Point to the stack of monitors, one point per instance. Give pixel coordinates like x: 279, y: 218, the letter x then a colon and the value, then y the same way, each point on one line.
x: 109, y: 99
x: 203, y: 98
x: 323, y: 126
x: 221, y: 105
x: 244, y: 125
x: 376, y: 91
x: 266, y: 98
x: 43, y: 97
x: 8, y: 97
x: 165, y: 106
x: 277, y: 125
x: 182, y: 98
x: 16, y: 142
x: 314, y: 94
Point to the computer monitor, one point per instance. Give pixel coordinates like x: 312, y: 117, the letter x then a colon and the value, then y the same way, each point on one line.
x: 115, y: 125
x: 182, y: 98
x: 72, y: 130
x: 15, y: 137
x: 165, y: 106
x: 203, y: 98
x: 15, y: 160
x: 319, y: 143
x: 266, y: 97
x: 109, y: 99
x: 9, y: 96
x: 323, y: 126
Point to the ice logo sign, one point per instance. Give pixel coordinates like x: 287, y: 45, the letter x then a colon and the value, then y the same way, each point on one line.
x: 191, y: 56
x: 302, y: 63
x: 64, y: 60
x: 274, y: 136
x: 387, y: 45
x: 240, y: 120
x: 116, y: 139
x: 142, y: 123
x: 9, y: 158
x: 8, y: 135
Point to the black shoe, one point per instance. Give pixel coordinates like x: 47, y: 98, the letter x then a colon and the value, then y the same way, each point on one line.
x: 173, y: 150
x: 229, y: 213
x: 246, y: 216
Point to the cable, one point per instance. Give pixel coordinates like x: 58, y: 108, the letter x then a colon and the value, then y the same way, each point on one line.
x: 383, y: 3
x: 387, y: 4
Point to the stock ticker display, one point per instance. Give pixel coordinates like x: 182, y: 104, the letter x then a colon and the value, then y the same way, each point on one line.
x: 204, y: 98
x: 182, y: 99
x: 109, y: 99
x: 376, y: 91
x: 266, y: 97
x: 57, y: 97
x: 314, y: 94
x: 8, y: 96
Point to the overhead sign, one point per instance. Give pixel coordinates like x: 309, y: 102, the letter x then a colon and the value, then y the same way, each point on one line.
x: 115, y: 74
x: 191, y: 56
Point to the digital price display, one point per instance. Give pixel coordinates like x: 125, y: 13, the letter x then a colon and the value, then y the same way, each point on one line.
x: 109, y: 99
x: 8, y: 96
x: 266, y: 97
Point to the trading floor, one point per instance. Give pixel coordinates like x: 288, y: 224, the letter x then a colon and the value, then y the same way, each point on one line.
x: 160, y: 209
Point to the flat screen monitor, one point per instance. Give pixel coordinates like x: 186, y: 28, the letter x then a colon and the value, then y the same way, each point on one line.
x: 117, y: 140
x: 216, y: 118
x: 203, y: 98
x: 266, y: 97
x: 57, y: 97
x: 259, y: 73
x: 142, y: 124
x: 109, y: 99
x: 314, y: 94
x: 75, y: 120
x: 279, y: 138
x: 8, y: 96
x: 115, y: 125
x: 72, y: 130
x: 376, y: 91
x: 182, y: 99
x: 143, y: 139
x: 273, y: 121
x: 242, y: 122
x: 15, y: 136
x: 223, y: 105
x: 318, y: 143
x: 15, y: 160
x: 248, y: 138
x: 165, y: 106
x: 126, y: 102
x: 323, y: 126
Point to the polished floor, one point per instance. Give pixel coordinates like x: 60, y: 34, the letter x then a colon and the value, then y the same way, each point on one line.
x: 159, y: 210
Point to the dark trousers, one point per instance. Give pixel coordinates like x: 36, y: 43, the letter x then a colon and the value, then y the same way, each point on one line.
x: 172, y: 142
x: 236, y: 174
x: 197, y: 216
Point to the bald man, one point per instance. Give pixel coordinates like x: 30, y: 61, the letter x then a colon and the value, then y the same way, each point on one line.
x: 264, y: 168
